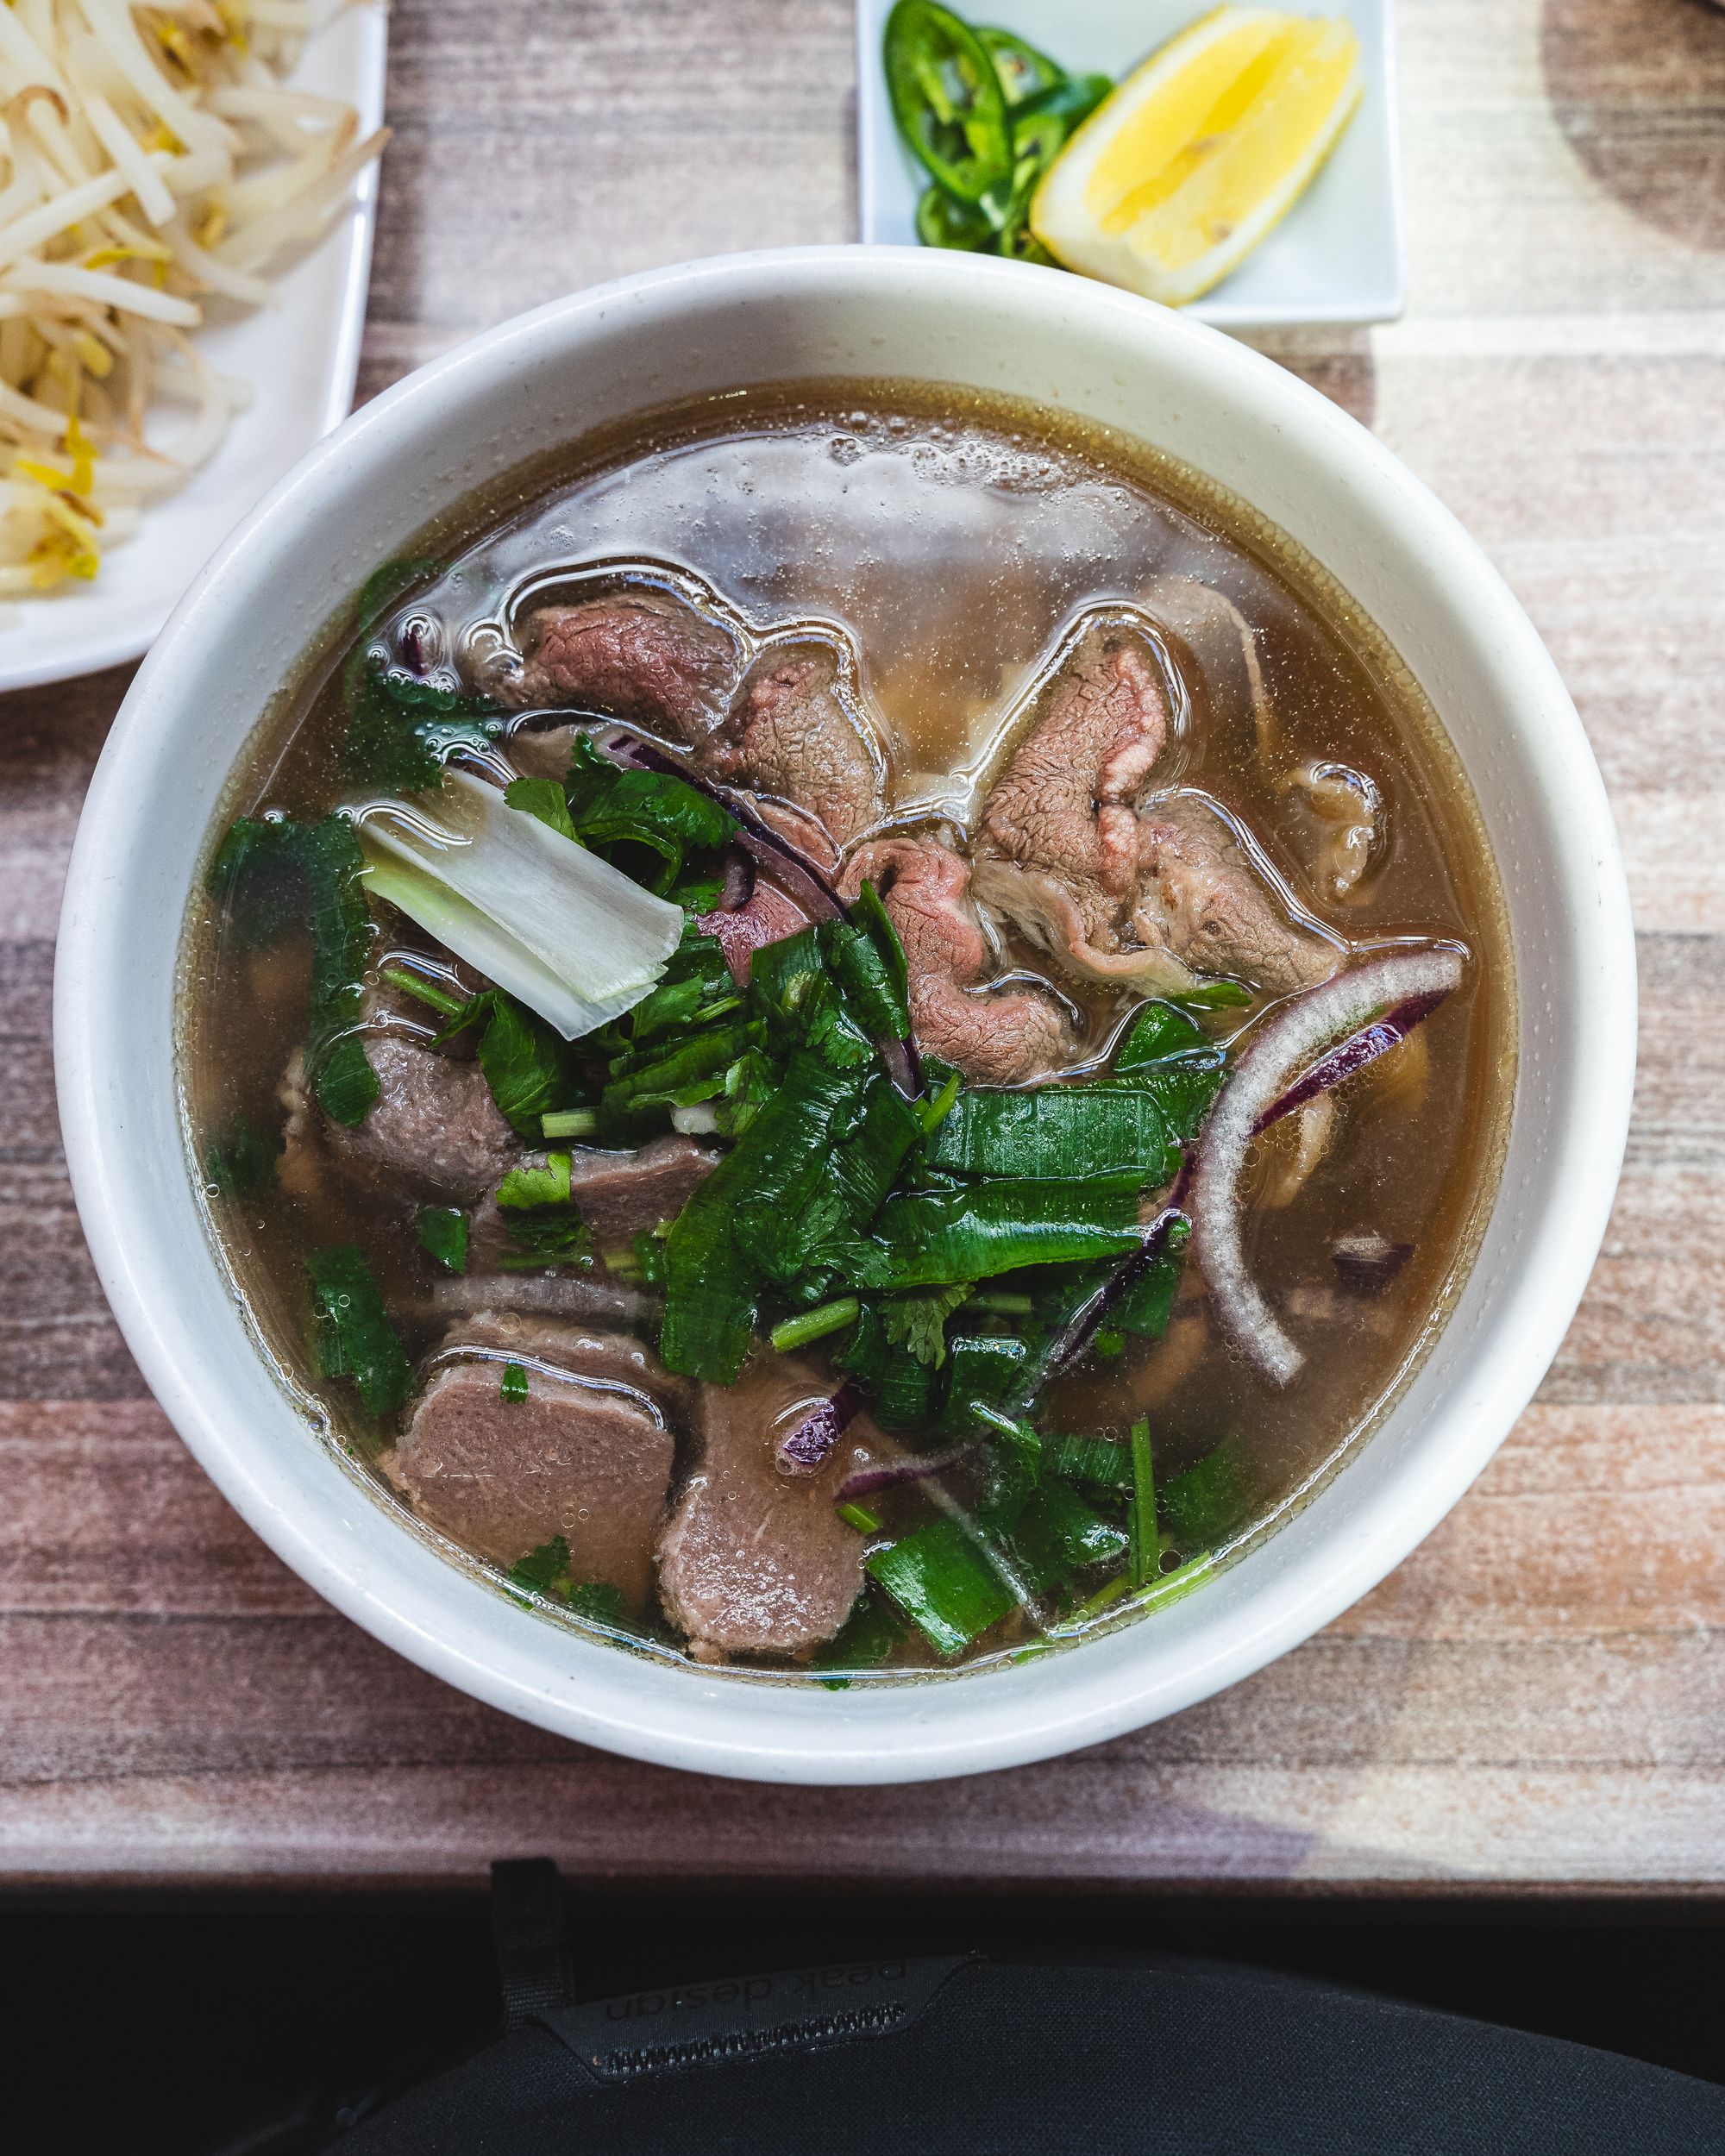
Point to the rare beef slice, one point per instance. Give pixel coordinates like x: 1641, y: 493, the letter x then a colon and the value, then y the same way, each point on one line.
x: 996, y: 1037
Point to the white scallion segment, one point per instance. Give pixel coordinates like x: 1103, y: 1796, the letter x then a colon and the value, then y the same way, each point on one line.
x: 573, y: 938
x: 1286, y: 1046
x: 464, y: 930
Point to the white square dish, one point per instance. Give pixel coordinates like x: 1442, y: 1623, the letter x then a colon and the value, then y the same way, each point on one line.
x: 1338, y: 255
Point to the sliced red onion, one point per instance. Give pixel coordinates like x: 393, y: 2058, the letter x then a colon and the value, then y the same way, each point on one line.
x: 1275, y: 1056
x: 915, y: 1467
x: 419, y: 643
x: 903, y: 1064
x: 812, y: 886
x: 1076, y: 1334
x: 1354, y: 1053
x: 739, y: 881
x: 1369, y: 1262
x: 803, y: 1450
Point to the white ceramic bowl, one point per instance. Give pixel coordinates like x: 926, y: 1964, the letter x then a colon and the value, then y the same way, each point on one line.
x: 360, y: 496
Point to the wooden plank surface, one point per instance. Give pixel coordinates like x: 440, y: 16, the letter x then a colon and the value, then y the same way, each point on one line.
x: 1538, y: 1695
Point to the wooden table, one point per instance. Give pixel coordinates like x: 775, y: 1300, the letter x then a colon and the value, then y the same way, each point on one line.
x: 1538, y: 1695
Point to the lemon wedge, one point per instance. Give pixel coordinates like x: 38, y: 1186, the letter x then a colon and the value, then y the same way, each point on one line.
x: 1176, y: 177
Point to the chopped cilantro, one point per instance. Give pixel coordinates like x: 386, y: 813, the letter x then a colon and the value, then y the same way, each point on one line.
x: 355, y: 1336
x: 539, y: 1571
x: 544, y: 799
x: 641, y: 813
x: 240, y: 1159
x: 443, y: 1230
x: 401, y: 730
x: 543, y: 1222
x: 597, y: 1601
x: 523, y: 1188
x: 524, y: 1061
x: 271, y: 872
x: 919, y: 1322
x: 546, y: 1571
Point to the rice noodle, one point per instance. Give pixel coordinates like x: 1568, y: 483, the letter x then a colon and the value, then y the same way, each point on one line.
x: 150, y: 157
x: 1289, y: 1042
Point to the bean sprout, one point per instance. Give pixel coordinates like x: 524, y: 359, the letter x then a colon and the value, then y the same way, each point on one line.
x: 150, y: 158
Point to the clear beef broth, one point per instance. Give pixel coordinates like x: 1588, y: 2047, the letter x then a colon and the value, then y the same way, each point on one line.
x: 954, y: 539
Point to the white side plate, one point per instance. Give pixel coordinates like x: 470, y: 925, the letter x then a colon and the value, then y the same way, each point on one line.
x: 1338, y: 255
x: 300, y: 355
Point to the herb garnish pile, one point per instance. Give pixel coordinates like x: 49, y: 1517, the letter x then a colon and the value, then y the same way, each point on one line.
x: 930, y: 1248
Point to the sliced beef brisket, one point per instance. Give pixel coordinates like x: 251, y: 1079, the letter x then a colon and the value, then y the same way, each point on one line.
x: 434, y: 1130
x: 753, y: 1561
x: 587, y: 1454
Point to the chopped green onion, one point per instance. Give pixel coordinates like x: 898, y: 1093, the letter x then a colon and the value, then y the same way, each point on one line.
x: 902, y: 1386
x: 944, y: 1584
x: 1214, y: 995
x: 1011, y: 1468
x: 986, y: 1368
x: 861, y: 1518
x: 1105, y: 1597
x: 929, y: 1238
x: 514, y: 1385
x: 1003, y: 1302
x: 1165, y: 1588
x: 1057, y: 1535
x: 935, y: 1111
x: 871, y: 978
x: 870, y: 1636
x: 1206, y: 1504
x: 570, y: 1122
x: 425, y: 992
x: 814, y: 1324
x: 1162, y: 1034
x: 1173, y: 1587
x: 1146, y: 1545
x: 1055, y: 1133
x: 1098, y: 1461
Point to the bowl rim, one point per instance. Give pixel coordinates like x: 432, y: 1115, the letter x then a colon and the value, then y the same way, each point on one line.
x: 719, y: 1725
